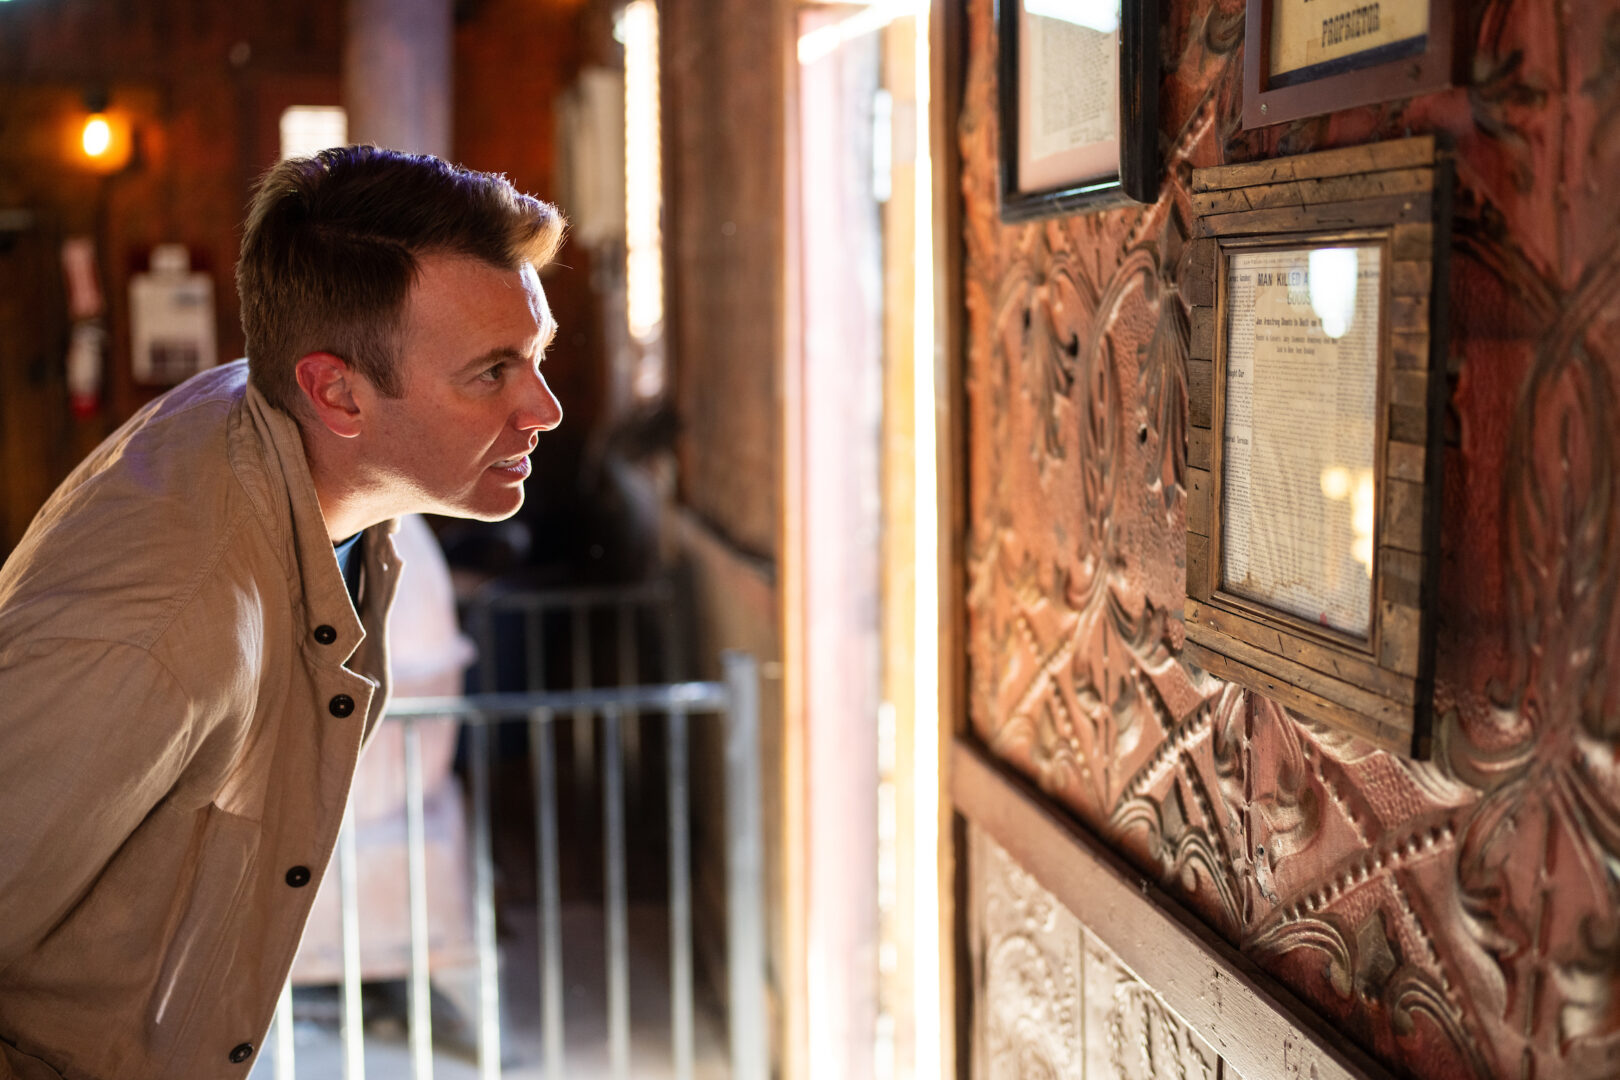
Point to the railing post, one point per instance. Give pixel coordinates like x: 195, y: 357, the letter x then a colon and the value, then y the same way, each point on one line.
x: 489, y: 992
x: 419, y: 1024
x: 285, y: 1068
x: 680, y: 899
x: 549, y: 900
x: 348, y: 860
x: 614, y: 888
x: 745, y: 873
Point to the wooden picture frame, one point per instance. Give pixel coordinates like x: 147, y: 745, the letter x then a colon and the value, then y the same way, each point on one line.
x: 1393, y: 69
x: 1123, y: 168
x: 1372, y: 678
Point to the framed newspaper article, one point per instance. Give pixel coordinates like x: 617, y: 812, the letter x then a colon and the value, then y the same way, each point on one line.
x: 1079, y: 105
x: 1316, y: 381
x: 1306, y: 57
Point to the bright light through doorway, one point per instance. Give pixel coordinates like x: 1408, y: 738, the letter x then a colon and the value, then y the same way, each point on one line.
x: 644, y: 281
x: 927, y: 762
x: 306, y: 129
x: 910, y: 1034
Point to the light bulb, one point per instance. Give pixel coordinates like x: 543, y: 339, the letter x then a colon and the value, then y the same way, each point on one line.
x: 97, y: 135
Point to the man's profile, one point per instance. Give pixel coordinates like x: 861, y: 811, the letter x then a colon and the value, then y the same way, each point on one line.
x: 191, y: 631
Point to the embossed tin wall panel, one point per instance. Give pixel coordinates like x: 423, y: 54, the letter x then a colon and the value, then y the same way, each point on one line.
x: 1053, y: 1001
x: 1457, y: 918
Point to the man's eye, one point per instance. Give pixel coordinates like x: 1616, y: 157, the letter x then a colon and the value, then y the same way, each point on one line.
x: 493, y: 373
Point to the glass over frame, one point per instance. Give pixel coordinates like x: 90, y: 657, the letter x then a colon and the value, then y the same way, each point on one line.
x: 1298, y: 494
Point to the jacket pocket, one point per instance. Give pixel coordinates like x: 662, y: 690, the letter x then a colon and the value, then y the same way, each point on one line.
x: 219, y: 868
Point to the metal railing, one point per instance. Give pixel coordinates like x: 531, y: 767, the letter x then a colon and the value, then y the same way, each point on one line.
x: 733, y: 703
x: 535, y: 619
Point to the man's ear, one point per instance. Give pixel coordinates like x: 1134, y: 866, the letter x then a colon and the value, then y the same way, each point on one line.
x: 328, y: 383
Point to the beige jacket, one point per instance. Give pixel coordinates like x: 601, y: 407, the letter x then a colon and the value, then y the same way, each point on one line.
x: 184, y: 691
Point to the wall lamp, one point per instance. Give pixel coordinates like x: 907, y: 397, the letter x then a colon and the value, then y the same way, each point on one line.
x: 104, y: 141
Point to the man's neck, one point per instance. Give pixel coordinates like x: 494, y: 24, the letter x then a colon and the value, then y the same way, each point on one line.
x: 348, y: 502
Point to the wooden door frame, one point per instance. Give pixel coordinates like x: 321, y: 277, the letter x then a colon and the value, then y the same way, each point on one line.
x: 947, y: 54
x: 829, y: 769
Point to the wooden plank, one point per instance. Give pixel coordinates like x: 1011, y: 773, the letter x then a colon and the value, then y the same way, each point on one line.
x: 1359, y: 669
x: 1200, y: 388
x: 1411, y: 277
x: 1198, y: 282
x: 1200, y: 490
x: 1202, y: 344
x: 1380, y: 710
x: 1397, y: 154
x: 1398, y: 646
x: 1400, y: 577
x: 1405, y: 461
x: 1245, y: 1015
x: 1223, y: 200
x: 1327, y: 216
x: 1408, y: 424
x: 1384, y: 736
x: 1198, y: 455
x: 1411, y: 350
x: 1402, y: 526
x: 1412, y: 241
x: 1408, y: 314
x: 1198, y: 582
x: 1409, y: 407
x: 1310, y: 191
x: 1410, y: 388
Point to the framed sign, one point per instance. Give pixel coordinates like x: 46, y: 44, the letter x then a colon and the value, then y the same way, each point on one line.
x: 1079, y: 105
x: 1315, y: 380
x: 1305, y: 57
x: 171, y: 319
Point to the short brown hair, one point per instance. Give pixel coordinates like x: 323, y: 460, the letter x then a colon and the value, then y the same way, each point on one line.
x: 330, y: 249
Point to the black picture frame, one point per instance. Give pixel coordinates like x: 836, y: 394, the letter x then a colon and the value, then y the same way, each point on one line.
x: 1430, y: 63
x: 1140, y: 166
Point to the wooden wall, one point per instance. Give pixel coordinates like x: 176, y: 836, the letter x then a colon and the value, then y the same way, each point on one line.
x: 724, y: 146
x: 205, y: 85
x: 725, y: 72
x: 1457, y: 918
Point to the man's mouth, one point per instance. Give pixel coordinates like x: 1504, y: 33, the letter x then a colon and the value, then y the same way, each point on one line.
x: 515, y: 468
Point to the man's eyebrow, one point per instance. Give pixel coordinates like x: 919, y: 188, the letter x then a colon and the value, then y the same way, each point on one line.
x: 489, y: 359
x: 505, y: 352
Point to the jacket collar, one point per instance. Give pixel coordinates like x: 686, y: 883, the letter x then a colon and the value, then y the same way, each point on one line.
x: 291, y: 512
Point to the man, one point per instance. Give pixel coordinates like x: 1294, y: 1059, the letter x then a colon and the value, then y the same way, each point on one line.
x: 187, y: 673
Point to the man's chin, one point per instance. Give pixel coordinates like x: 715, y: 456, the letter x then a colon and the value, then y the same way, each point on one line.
x: 488, y: 509
x: 498, y: 515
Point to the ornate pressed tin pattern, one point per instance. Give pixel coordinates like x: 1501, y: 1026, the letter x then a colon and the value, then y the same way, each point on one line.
x: 1052, y: 1001
x: 1461, y: 917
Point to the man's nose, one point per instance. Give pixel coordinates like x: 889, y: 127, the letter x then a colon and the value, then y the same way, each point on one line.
x: 540, y: 410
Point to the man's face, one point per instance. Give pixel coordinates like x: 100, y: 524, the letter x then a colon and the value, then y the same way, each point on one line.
x: 457, y: 441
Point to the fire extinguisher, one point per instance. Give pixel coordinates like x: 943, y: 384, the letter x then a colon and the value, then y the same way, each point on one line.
x: 87, y: 341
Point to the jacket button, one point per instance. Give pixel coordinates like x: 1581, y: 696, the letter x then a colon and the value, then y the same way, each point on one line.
x: 325, y: 634
x: 342, y: 705
x: 298, y: 877
x: 241, y: 1053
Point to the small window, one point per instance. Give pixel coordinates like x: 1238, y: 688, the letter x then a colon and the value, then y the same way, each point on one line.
x: 306, y: 129
x: 644, y: 280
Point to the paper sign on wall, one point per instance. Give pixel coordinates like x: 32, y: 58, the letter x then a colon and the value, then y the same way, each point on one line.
x: 171, y: 317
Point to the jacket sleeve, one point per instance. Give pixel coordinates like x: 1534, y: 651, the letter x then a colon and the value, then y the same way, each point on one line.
x: 93, y: 735
x: 16, y: 1065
